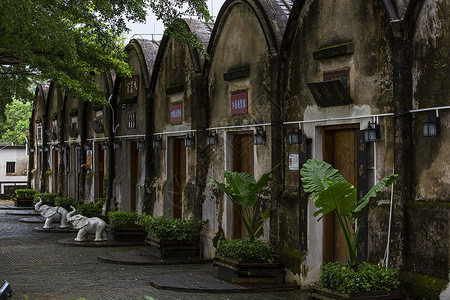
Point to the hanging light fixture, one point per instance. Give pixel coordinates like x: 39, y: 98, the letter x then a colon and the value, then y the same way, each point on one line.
x: 116, y: 144
x: 87, y: 146
x: 431, y: 127
x: 212, y: 138
x: 31, y: 149
x: 41, y: 149
x: 259, y: 137
x: 371, y: 134
x: 56, y: 148
x: 46, y: 148
x: 78, y: 147
x: 157, y: 142
x: 140, y: 143
x: 294, y: 136
x: 104, y: 146
x: 189, y: 140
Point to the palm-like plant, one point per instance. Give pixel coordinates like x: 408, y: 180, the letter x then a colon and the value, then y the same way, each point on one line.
x: 245, y: 191
x: 332, y: 193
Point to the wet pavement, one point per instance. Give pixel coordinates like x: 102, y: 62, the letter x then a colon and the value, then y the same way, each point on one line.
x: 37, y: 267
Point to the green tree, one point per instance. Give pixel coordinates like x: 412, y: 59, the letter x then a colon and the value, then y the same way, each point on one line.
x: 69, y: 41
x: 14, y: 123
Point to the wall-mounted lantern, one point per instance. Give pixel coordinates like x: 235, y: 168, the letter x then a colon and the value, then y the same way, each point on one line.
x: 41, y: 149
x: 212, y: 138
x: 294, y: 136
x: 372, y: 132
x: 87, y: 146
x: 259, y: 137
x: 189, y: 140
x: 104, y: 146
x: 431, y: 127
x: 157, y: 142
x: 141, y: 143
x: 46, y: 148
x: 78, y: 147
x: 31, y: 149
x: 56, y: 148
x: 116, y: 144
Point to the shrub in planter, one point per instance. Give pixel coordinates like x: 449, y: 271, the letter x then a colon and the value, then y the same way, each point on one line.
x: 170, y: 238
x: 123, y: 218
x: 65, y: 202
x: 245, y: 250
x: 25, y: 193
x: 172, y: 229
x: 365, y: 278
x: 47, y: 198
x: 90, y: 209
x: 125, y: 227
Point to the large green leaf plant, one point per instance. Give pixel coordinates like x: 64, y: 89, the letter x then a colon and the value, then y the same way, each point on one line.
x: 332, y: 193
x: 245, y: 191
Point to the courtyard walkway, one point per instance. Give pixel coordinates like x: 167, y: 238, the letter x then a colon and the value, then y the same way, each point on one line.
x: 37, y: 267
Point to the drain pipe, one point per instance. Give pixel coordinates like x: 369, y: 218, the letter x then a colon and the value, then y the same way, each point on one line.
x: 386, y: 253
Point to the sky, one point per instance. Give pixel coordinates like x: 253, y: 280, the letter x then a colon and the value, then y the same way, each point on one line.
x: 156, y: 28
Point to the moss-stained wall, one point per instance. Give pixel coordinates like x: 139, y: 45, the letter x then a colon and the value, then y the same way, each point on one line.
x: 175, y: 83
x: 240, y: 43
x: 364, y: 26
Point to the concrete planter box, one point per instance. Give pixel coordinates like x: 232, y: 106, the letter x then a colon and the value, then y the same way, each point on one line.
x: 163, y: 248
x: 23, y: 202
x: 129, y: 234
x: 318, y: 292
x: 249, y: 272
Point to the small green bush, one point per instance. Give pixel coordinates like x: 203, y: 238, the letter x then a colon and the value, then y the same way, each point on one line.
x: 245, y: 250
x: 122, y: 218
x: 172, y: 229
x: 90, y: 209
x: 367, y: 277
x: 65, y: 202
x: 47, y: 198
x: 25, y: 193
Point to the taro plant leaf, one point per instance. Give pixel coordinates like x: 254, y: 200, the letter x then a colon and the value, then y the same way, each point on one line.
x: 360, y: 207
x: 313, y: 174
x: 339, y: 197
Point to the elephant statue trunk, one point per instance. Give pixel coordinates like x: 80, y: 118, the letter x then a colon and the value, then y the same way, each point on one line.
x: 87, y: 226
x: 51, y: 214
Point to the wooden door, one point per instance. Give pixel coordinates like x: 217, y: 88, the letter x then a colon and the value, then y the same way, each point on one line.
x: 101, y: 169
x: 242, y: 161
x: 55, y: 171
x: 339, y: 150
x: 178, y: 176
x: 134, y: 171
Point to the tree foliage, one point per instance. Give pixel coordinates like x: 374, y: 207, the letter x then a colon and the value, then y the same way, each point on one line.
x: 14, y: 124
x: 69, y: 41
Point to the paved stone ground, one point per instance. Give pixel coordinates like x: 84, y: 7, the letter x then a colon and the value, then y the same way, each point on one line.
x: 38, y: 268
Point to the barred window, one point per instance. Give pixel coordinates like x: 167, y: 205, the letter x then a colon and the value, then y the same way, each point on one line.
x: 132, y: 120
x: 10, y: 167
x: 342, y: 75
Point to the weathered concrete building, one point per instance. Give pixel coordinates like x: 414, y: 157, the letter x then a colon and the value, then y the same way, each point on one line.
x: 321, y: 70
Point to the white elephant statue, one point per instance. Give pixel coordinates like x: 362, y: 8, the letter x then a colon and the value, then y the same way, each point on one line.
x: 52, y: 214
x: 86, y: 226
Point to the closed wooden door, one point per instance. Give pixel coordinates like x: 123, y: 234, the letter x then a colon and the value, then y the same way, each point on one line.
x: 339, y: 150
x: 134, y: 171
x: 179, y: 176
x: 242, y: 161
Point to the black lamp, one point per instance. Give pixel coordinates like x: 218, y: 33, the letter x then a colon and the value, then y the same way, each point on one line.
x: 87, y: 146
x: 46, y: 148
x: 212, y: 138
x: 78, y: 147
x: 294, y: 136
x: 31, y: 149
x: 431, y: 127
x: 189, y: 140
x: 157, y: 142
x: 116, y: 144
x: 56, y: 148
x: 259, y: 137
x: 104, y: 146
x: 371, y: 134
x: 140, y: 143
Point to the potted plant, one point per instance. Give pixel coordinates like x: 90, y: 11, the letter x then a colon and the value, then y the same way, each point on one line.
x: 125, y: 228
x: 247, y: 260
x: 47, y: 198
x: 24, y: 197
x: 91, y: 209
x: 331, y: 193
x: 173, y: 238
x: 65, y: 202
